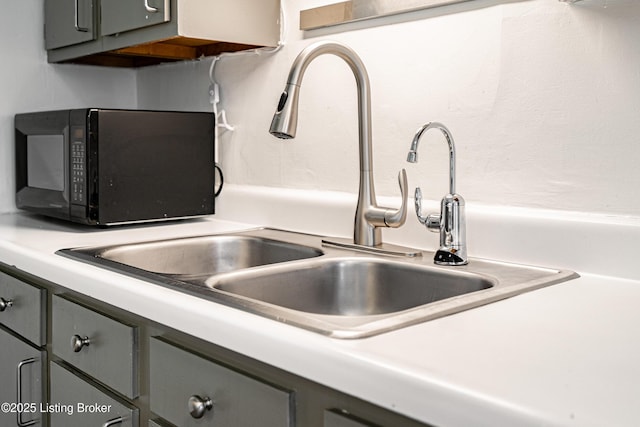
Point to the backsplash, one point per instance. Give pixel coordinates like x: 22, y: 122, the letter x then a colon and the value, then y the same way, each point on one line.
x: 542, y: 98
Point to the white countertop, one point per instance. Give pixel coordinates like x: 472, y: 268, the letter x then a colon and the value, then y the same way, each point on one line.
x: 566, y: 355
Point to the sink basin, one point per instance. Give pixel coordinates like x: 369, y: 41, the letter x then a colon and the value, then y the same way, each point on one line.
x: 351, y: 286
x: 206, y: 254
x: 295, y: 279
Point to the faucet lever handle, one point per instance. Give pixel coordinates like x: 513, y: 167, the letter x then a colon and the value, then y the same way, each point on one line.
x: 396, y: 217
x: 431, y: 221
x: 418, y: 205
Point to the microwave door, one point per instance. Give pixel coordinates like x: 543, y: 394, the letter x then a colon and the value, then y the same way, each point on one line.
x: 45, y: 160
x: 42, y: 165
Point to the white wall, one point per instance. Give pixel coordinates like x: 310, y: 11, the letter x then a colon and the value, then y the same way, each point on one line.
x: 29, y: 83
x: 542, y: 97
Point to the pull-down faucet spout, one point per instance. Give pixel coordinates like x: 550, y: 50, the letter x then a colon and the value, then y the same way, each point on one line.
x: 369, y: 216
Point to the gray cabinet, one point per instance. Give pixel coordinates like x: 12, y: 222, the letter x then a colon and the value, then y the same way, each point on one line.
x: 100, y: 346
x: 81, y: 404
x: 69, y: 22
x: 181, y: 381
x: 22, y: 308
x: 118, y: 16
x: 21, y: 374
x: 129, y: 371
x: 146, y: 32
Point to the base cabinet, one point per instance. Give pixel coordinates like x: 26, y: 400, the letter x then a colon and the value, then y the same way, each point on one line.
x: 103, y: 366
x: 75, y: 402
x: 189, y: 390
x: 22, y: 389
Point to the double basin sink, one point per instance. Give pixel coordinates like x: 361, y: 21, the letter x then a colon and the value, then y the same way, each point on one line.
x: 293, y: 278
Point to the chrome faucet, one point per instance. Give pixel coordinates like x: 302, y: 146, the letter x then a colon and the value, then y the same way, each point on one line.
x: 369, y: 216
x: 450, y: 222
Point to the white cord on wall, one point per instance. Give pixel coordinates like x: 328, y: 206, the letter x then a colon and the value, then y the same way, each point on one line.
x: 220, y: 117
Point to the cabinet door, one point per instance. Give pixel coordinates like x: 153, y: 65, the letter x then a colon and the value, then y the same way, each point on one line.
x: 188, y: 391
x: 21, y: 376
x: 68, y: 22
x: 80, y: 404
x: 118, y: 16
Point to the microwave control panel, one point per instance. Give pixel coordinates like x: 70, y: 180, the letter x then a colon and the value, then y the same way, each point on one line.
x: 78, y: 169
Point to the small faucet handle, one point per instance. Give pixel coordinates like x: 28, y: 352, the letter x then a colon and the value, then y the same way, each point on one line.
x: 396, y: 217
x: 431, y: 221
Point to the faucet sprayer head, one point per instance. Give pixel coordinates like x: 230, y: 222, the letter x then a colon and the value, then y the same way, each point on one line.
x: 412, y: 157
x: 285, y: 119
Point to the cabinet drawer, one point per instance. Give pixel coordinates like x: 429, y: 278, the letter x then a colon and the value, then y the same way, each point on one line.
x: 75, y: 402
x: 177, y: 376
x: 96, y: 344
x: 22, y: 307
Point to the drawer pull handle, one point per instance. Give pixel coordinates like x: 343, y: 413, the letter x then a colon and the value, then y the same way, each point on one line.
x: 113, y: 422
x: 5, y: 303
x: 19, y: 392
x: 198, y: 406
x: 78, y: 343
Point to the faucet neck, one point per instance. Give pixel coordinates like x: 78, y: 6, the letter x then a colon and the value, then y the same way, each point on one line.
x: 359, y: 70
x: 413, y: 151
x: 364, y: 233
x: 369, y: 217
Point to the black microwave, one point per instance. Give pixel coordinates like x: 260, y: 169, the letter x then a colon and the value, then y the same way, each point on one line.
x: 104, y: 166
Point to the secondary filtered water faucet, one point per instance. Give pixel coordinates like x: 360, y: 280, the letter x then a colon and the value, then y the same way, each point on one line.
x: 369, y: 216
x: 450, y: 222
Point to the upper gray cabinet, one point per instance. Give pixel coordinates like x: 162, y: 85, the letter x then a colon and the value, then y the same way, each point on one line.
x: 135, y: 33
x: 117, y: 16
x: 69, y: 22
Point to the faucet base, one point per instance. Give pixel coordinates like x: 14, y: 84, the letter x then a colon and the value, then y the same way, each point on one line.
x: 446, y: 257
x: 382, y: 249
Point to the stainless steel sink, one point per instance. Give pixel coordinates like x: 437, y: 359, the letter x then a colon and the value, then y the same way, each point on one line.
x: 350, y: 286
x: 293, y: 278
x: 205, y: 254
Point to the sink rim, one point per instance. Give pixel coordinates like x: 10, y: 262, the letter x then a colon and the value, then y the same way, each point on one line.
x: 339, y: 326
